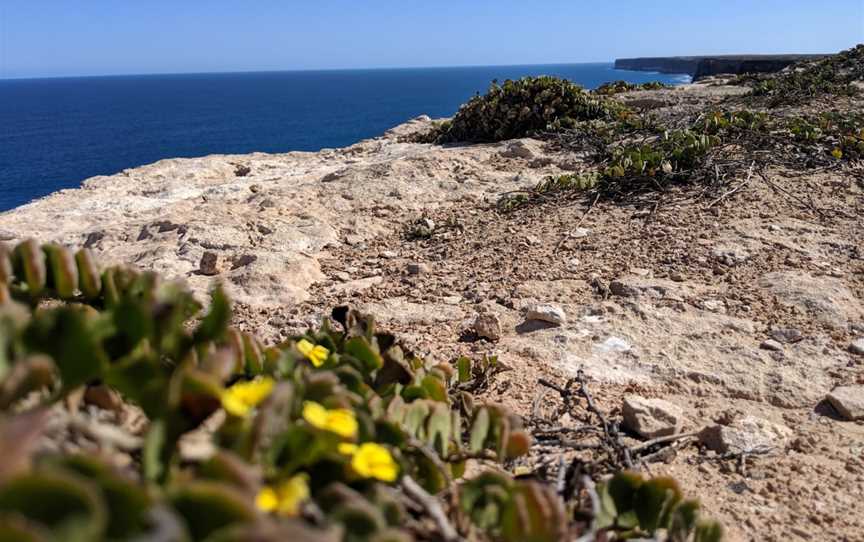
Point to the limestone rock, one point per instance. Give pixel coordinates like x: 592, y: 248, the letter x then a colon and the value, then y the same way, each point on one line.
x: 487, y: 326
x: 746, y: 435
x: 209, y: 264
x: 857, y: 347
x: 731, y: 255
x: 786, y: 335
x: 848, y: 401
x: 415, y: 268
x: 651, y: 418
x: 772, y: 345
x: 825, y: 299
x: 546, y: 312
x: 518, y: 149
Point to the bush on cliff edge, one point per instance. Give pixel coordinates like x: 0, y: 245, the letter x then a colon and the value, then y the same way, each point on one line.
x: 518, y: 108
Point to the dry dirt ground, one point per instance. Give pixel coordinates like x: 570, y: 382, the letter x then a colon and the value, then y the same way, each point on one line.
x: 671, y: 298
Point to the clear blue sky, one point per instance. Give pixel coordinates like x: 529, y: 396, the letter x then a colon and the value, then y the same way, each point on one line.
x: 96, y: 37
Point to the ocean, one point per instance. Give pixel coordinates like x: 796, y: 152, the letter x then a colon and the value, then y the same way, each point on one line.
x: 54, y: 133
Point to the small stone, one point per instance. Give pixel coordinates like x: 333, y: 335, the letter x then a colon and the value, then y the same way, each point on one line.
x: 714, y: 305
x: 209, y: 264
x: 487, y: 326
x: 389, y: 254
x: 415, y: 268
x: 746, y: 435
x: 786, y: 335
x: 677, y: 277
x: 848, y: 401
x: 255, y: 188
x: 342, y: 276
x: 103, y: 397
x: 518, y: 149
x: 546, y: 312
x: 579, y: 233
x: 731, y: 255
x: 772, y: 345
x: 622, y: 289
x: 651, y: 418
x: 857, y: 347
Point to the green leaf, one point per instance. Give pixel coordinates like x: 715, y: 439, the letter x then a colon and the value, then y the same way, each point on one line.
x: 359, y: 348
x: 29, y: 261
x: 708, y: 531
x: 479, y: 431
x: 126, y: 502
x: 463, y: 366
x: 213, y: 325
x: 89, y: 279
x: 66, y: 335
x: 64, y: 273
x: 654, y: 501
x: 210, y: 506
x: 68, y: 505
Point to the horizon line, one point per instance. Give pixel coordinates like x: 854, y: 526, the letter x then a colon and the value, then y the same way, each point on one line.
x: 307, y: 70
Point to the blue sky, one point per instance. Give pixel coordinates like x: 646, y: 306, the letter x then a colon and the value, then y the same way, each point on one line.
x: 99, y: 37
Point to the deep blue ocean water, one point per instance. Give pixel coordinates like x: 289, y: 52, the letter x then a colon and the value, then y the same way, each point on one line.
x: 54, y: 133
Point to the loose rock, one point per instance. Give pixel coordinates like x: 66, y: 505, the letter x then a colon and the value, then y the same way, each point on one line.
x: 415, y: 268
x: 546, y: 313
x: 848, y: 401
x: 786, y: 335
x: 746, y: 435
x: 651, y: 418
x: 209, y: 264
x: 487, y: 326
x: 772, y: 345
x: 857, y: 347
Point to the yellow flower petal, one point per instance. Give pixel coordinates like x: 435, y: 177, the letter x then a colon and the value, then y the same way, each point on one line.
x: 316, y: 354
x: 341, y: 421
x: 347, y: 448
x: 242, y: 397
x: 375, y: 461
x: 267, y: 500
x: 287, y: 498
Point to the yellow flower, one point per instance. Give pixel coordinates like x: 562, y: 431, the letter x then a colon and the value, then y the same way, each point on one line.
x: 374, y: 461
x: 339, y: 420
x: 286, y: 498
x: 347, y: 448
x: 317, y: 354
x: 242, y: 397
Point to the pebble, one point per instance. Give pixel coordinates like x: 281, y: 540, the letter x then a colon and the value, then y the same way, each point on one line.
x: 579, y: 233
x: 209, y: 264
x: 746, y: 435
x: 848, y: 401
x: 786, y: 335
x: 487, y: 326
x: 415, y: 268
x: 546, y: 312
x: 857, y: 347
x: 651, y: 418
x: 772, y: 345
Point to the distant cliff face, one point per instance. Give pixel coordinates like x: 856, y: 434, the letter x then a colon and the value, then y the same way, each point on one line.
x: 704, y: 66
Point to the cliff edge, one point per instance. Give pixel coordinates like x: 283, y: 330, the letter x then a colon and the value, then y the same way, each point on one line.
x: 704, y: 66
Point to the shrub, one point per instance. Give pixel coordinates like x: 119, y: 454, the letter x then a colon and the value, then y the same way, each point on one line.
x: 807, y: 79
x: 519, y: 108
x: 617, y: 87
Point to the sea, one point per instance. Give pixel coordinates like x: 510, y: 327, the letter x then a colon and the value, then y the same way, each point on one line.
x: 55, y: 133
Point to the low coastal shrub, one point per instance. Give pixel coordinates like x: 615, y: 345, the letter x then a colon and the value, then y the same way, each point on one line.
x: 519, y: 108
x: 336, y: 434
x: 617, y: 87
x: 831, y: 75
